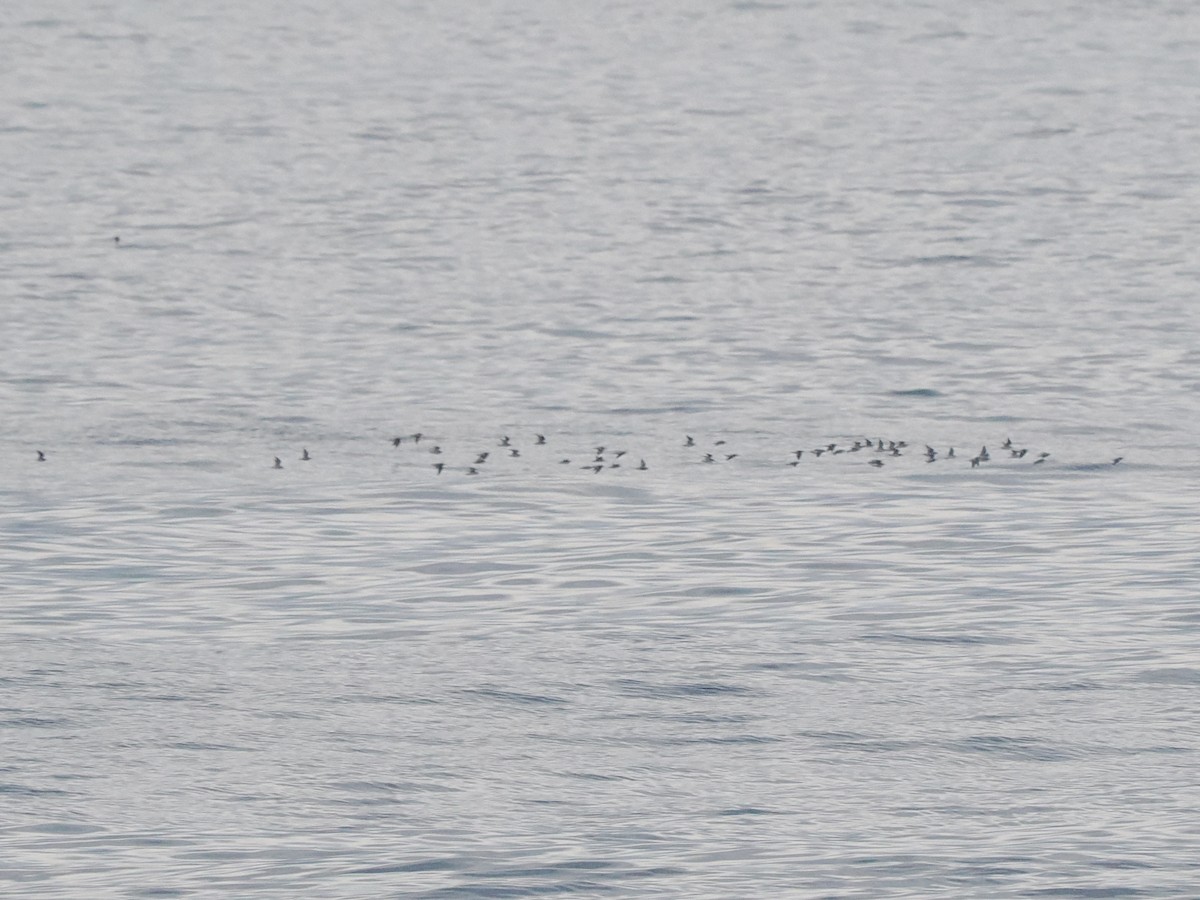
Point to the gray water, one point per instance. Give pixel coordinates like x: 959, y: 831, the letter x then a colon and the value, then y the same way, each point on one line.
x: 777, y: 225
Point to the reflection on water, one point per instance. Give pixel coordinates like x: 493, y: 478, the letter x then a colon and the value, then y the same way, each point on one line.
x: 581, y: 685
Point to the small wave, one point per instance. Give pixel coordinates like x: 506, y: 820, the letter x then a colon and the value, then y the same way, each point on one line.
x: 514, y: 696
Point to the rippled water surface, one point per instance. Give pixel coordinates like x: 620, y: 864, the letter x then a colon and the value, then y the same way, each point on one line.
x: 600, y: 665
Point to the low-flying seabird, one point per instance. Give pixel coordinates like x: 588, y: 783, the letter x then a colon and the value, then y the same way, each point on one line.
x: 305, y: 457
x: 278, y: 463
x: 41, y: 456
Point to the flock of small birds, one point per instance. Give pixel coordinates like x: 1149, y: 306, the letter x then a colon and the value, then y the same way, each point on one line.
x: 506, y: 448
x: 875, y: 452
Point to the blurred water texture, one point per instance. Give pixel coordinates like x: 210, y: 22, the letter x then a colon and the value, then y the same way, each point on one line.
x: 772, y: 225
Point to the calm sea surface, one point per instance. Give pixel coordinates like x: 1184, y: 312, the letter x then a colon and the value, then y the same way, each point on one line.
x: 649, y: 233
